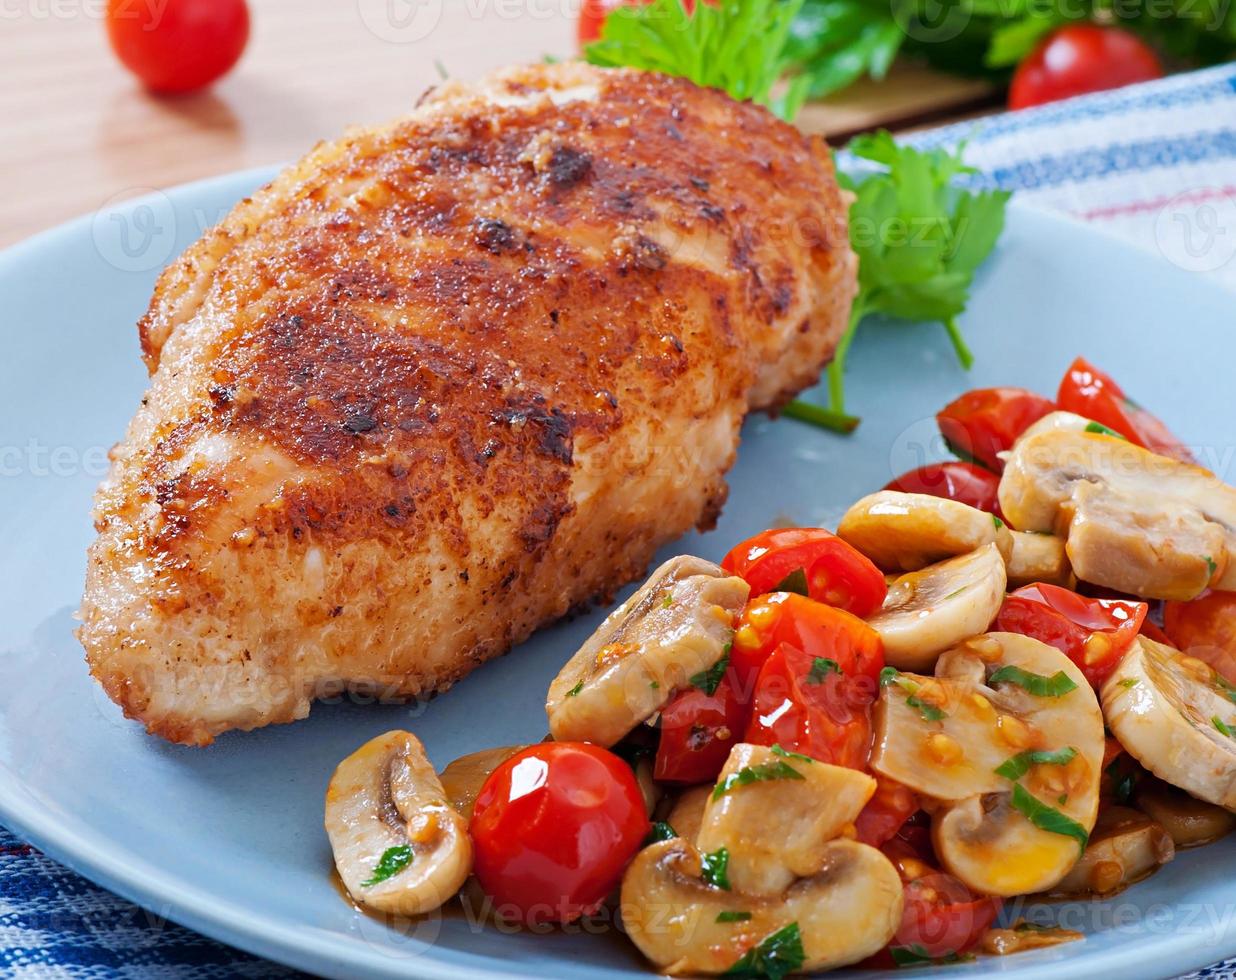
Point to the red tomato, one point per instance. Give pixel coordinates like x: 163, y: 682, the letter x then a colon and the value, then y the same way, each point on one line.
x: 593, y: 13
x: 1149, y: 629
x: 886, y: 812
x: 1081, y: 58
x: 831, y: 570
x: 1087, y: 391
x: 697, y: 732
x: 1093, y: 633
x: 943, y: 917
x: 178, y: 45
x: 1205, y: 628
x: 820, y: 713
x: 965, y: 482
x: 553, y: 828
x: 987, y: 421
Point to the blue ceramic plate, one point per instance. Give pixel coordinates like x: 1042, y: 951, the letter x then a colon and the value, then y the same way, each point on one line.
x: 229, y: 840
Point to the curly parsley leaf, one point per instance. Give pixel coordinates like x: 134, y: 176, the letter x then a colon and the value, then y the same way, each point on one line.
x: 710, y: 679
x: 714, y: 868
x: 833, y: 43
x: 1057, y: 685
x: 392, y: 861
x: 777, y: 955
x: 1046, y: 817
x: 755, y: 774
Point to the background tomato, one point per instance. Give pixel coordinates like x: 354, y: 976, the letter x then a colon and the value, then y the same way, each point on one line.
x: 811, y: 561
x: 987, y: 421
x: 178, y: 45
x: 553, y: 828
x: 1081, y: 58
x: 593, y: 13
x: 1205, y: 628
x: 697, y: 731
x: 963, y: 482
x: 886, y: 812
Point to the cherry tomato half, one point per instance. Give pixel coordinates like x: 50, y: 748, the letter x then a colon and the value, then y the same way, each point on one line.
x: 1205, y: 628
x: 886, y: 812
x: 1081, y: 58
x: 553, y: 828
x: 1094, y: 633
x: 811, y: 561
x: 1087, y: 391
x: 942, y: 917
x: 698, y: 730
x: 178, y: 45
x: 987, y: 421
x: 963, y: 482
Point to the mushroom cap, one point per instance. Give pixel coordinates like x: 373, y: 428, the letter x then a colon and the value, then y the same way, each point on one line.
x: 463, y: 778
x: 676, y: 625
x: 845, y: 912
x: 1189, y: 821
x: 383, y: 801
x: 1125, y: 847
x: 902, y: 532
x: 928, y: 611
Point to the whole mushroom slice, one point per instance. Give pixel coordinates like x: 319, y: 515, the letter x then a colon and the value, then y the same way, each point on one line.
x: 1176, y: 716
x: 844, y: 913
x: 902, y: 532
x: 774, y: 814
x: 928, y: 611
x: 677, y: 625
x: 463, y: 778
x: 399, y: 845
x: 1005, y: 743
x: 1039, y: 557
x: 1190, y: 822
x: 1125, y: 847
x: 1133, y: 520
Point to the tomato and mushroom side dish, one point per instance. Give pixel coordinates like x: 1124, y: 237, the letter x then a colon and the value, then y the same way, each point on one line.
x: 1008, y: 676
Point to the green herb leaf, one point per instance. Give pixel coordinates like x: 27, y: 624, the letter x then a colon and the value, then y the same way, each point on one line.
x: 1123, y: 783
x: 1222, y: 727
x: 755, y: 774
x: 1014, y: 768
x: 1046, y: 817
x: 796, y: 581
x: 576, y: 689
x: 729, y: 916
x: 1055, y: 686
x: 1128, y: 682
x: 655, y: 685
x: 392, y: 861
x: 1210, y: 564
x: 667, y: 600
x: 997, y: 522
x: 709, y: 680
x: 916, y: 955
x: 786, y: 754
x: 1011, y: 42
x: 777, y: 955
x: 928, y: 712
x: 714, y: 868
x: 821, y: 667
x: 836, y: 42
x: 888, y: 675
x: 1098, y: 429
x: 660, y: 831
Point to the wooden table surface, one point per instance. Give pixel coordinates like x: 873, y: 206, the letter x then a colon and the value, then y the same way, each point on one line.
x: 78, y: 131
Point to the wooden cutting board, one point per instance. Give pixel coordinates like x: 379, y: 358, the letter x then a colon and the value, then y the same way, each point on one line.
x: 79, y: 132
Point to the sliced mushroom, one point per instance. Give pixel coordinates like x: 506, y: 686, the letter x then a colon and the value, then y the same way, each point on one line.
x: 1039, y: 557
x: 1125, y: 847
x: 674, y: 627
x: 1176, y: 716
x: 1052, y: 422
x: 1133, y: 520
x: 946, y: 736
x: 1189, y: 822
x: 463, y: 778
x: 937, y: 607
x: 902, y: 532
x: 687, y: 814
x: 776, y: 829
x: 399, y: 846
x: 845, y: 912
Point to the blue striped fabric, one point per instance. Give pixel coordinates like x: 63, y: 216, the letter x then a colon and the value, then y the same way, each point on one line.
x: 1144, y: 161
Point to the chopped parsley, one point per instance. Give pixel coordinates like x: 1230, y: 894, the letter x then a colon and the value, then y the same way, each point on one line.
x: 392, y: 861
x: 777, y: 955
x: 660, y: 831
x: 1016, y: 767
x: 796, y: 581
x: 714, y: 868
x: 786, y: 754
x: 821, y: 667
x: 928, y: 712
x: 1128, y: 682
x: 733, y: 916
x: 755, y: 774
x: 1123, y: 782
x: 955, y: 593
x: 887, y: 676
x: 1048, y: 818
x: 655, y: 685
x: 1222, y: 727
x: 576, y: 689
x: 1044, y: 687
x: 1210, y: 564
x: 1099, y: 429
x: 709, y: 680
x: 916, y: 955
x: 997, y: 522
x: 667, y: 600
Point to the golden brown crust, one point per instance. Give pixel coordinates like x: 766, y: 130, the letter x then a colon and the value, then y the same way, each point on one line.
x: 444, y: 379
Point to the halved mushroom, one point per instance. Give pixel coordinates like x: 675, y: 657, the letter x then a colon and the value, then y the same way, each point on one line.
x: 463, y: 778
x: 1177, y: 717
x: 937, y: 607
x: 1125, y: 847
x: 1052, y: 422
x: 1039, y: 557
x: 687, y: 814
x: 399, y: 846
x: 777, y: 815
x: 1190, y: 822
x: 902, y: 532
x: 1133, y: 520
x: 845, y: 912
x: 675, y: 626
x: 1005, y: 743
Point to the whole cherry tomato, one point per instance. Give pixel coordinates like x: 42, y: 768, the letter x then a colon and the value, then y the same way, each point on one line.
x: 178, y: 45
x: 593, y: 13
x: 698, y: 730
x: 812, y: 562
x: 963, y: 482
x: 1094, y: 633
x: 987, y: 421
x: 553, y: 828
x: 1205, y: 628
x: 886, y: 812
x: 1087, y: 391
x: 1081, y: 58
